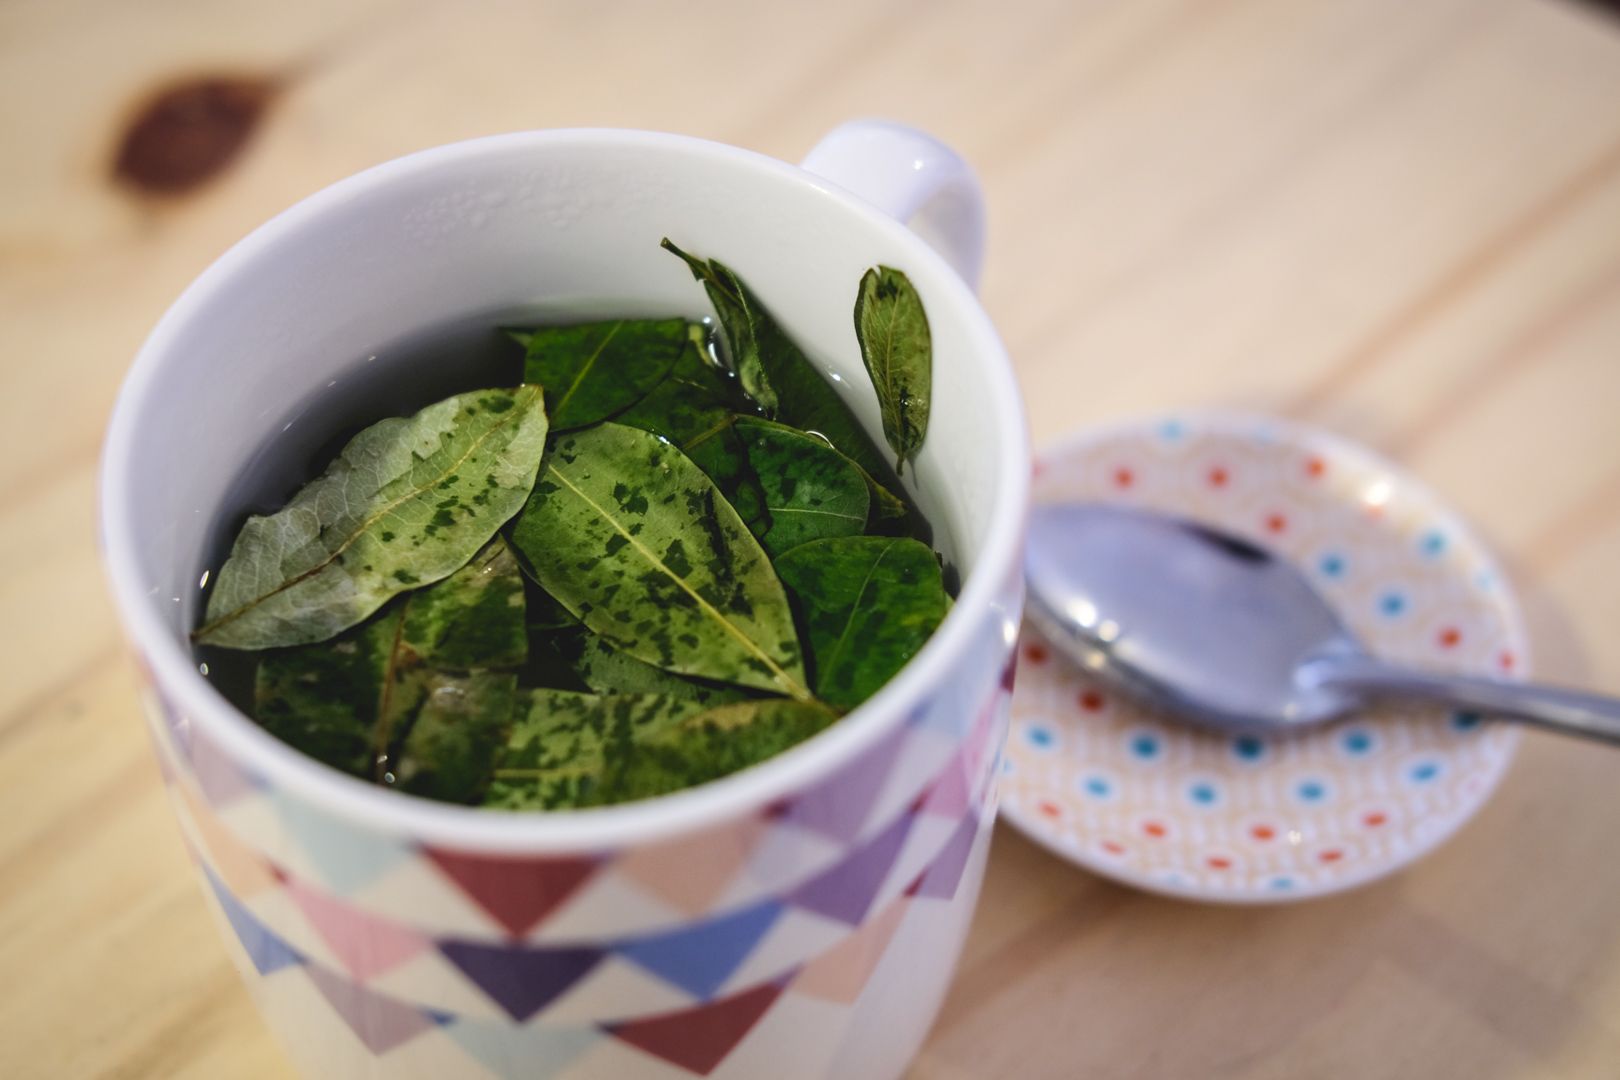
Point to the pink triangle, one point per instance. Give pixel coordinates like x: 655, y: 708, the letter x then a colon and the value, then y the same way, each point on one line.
x: 948, y: 798
x: 690, y: 873
x: 381, y: 1023
x: 367, y: 945
x: 699, y: 1039
x: 840, y: 974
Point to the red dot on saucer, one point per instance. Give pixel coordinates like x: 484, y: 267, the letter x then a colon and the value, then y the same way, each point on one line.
x: 1315, y: 467
x: 1219, y: 862
x: 1507, y: 661
x: 1218, y: 477
x: 1450, y: 637
x: 1277, y: 523
x: 1049, y: 808
x: 1331, y: 855
x: 1113, y: 848
x: 1035, y: 653
x: 1374, y: 819
x: 1091, y: 700
x: 1124, y: 478
x: 1155, y: 829
x: 1263, y: 832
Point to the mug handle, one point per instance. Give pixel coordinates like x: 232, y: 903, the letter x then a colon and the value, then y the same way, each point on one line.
x: 913, y: 177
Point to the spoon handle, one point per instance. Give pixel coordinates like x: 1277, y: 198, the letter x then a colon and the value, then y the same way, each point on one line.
x: 1569, y: 712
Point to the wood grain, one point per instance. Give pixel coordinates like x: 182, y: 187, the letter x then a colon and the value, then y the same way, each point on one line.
x: 1399, y: 219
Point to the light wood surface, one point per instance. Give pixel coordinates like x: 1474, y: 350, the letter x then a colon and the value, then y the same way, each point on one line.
x: 1396, y: 218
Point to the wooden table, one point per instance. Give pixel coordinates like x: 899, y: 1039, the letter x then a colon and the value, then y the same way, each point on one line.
x: 1396, y: 218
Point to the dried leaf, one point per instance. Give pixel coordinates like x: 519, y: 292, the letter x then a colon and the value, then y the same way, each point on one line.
x: 593, y: 370
x: 347, y: 701
x: 811, y: 490
x: 407, y: 503
x: 869, y: 604
x: 558, y: 748
x: 637, y: 542
x: 899, y: 356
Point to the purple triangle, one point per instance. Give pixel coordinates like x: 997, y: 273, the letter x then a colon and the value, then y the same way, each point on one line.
x: 221, y: 781
x: 381, y: 1023
x: 838, y: 808
x: 521, y: 980
x: 268, y: 952
x: 846, y: 891
x: 940, y: 880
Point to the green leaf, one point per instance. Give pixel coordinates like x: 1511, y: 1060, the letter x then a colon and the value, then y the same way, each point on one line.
x: 738, y: 325
x: 899, y: 356
x: 606, y: 670
x: 407, y: 503
x: 594, y: 370
x: 450, y: 750
x: 802, y: 393
x: 695, y: 408
x: 869, y: 603
x: 709, y: 745
x: 638, y: 543
x: 348, y: 700
x: 474, y: 619
x: 559, y: 746
x: 811, y: 490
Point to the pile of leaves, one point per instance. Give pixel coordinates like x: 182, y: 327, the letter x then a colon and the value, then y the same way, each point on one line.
x: 650, y: 565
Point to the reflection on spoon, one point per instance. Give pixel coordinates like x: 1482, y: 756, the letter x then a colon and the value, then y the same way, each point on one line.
x: 1223, y: 634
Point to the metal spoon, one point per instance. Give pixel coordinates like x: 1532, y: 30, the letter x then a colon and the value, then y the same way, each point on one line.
x: 1225, y: 635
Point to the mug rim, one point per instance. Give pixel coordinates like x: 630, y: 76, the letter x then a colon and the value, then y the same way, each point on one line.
x: 173, y: 670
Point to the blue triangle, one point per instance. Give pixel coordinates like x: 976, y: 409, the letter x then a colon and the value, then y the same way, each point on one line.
x: 268, y: 952
x: 699, y: 960
x: 519, y: 1053
x: 346, y: 858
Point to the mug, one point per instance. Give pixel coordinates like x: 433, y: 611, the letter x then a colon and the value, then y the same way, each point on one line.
x: 798, y: 919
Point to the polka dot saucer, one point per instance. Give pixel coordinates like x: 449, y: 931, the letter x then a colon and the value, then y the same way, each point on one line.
x: 1127, y: 794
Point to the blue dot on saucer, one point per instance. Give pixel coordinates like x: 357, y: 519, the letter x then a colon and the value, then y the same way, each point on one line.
x: 1424, y: 771
x: 1357, y: 741
x: 1203, y: 793
x: 1098, y: 787
x: 1145, y: 746
x: 1248, y: 748
x: 1332, y: 565
x: 1433, y: 543
x: 1041, y: 738
x: 1465, y: 721
x: 1311, y: 791
x: 1392, y: 604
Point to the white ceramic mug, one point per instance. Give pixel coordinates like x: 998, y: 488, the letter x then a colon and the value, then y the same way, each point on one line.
x: 798, y: 919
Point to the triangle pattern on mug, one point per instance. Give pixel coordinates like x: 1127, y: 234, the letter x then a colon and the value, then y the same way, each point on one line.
x: 365, y: 945
x: 344, y: 858
x: 840, y: 974
x: 700, y: 958
x: 379, y: 1022
x: 940, y: 880
x: 691, y: 872
x: 846, y: 891
x: 699, y: 1039
x: 839, y: 807
x: 267, y: 951
x: 522, y: 980
x: 515, y: 1052
x: 517, y: 892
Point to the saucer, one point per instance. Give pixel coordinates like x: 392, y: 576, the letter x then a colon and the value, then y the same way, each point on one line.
x: 1122, y: 792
